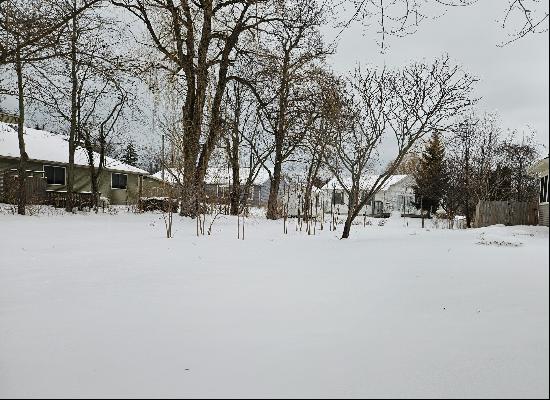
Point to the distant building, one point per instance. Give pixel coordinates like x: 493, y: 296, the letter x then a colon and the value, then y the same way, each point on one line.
x: 396, y: 194
x: 218, y: 181
x: 8, y: 118
x: 540, y: 171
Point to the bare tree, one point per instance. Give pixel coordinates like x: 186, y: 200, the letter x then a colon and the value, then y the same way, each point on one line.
x: 329, y: 89
x: 98, y: 126
x: 524, y: 17
x: 288, y: 61
x: 243, y: 143
x: 516, y: 155
x: 27, y: 39
x: 198, y: 42
x: 42, y: 22
x: 398, y: 18
x: 472, y: 160
x: 406, y: 105
x: 87, y: 53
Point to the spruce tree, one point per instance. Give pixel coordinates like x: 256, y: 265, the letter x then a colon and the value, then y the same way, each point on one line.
x: 431, y: 175
x: 130, y: 156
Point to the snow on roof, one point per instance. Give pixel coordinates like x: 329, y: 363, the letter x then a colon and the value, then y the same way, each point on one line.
x: 171, y: 175
x: 46, y: 146
x: 224, y: 175
x: 539, y: 168
x: 366, y: 182
x: 214, y: 175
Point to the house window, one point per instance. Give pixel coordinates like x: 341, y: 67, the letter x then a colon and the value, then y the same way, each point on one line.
x: 378, y: 207
x: 54, y: 175
x: 223, y: 192
x: 119, y: 181
x: 337, y: 197
x: 544, y: 189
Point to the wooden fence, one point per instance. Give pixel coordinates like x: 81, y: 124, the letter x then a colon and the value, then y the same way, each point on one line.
x: 506, y: 212
x: 35, y: 188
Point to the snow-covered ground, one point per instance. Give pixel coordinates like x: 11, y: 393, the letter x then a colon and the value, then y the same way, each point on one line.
x: 103, y: 305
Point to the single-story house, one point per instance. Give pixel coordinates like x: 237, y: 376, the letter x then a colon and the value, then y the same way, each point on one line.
x: 48, y: 153
x: 217, y: 183
x: 540, y: 171
x: 397, y: 194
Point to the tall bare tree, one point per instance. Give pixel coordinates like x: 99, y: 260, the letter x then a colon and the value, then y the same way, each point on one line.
x: 244, y: 142
x: 88, y: 59
x: 288, y: 63
x: 27, y: 39
x: 198, y: 42
x: 329, y: 103
x: 407, y: 105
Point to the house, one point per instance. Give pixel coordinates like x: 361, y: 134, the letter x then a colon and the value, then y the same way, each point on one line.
x: 119, y: 183
x: 217, y: 183
x: 540, y: 171
x: 396, y: 194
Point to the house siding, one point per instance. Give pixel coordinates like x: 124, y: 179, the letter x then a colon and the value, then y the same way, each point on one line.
x: 385, y: 201
x: 82, y: 182
x: 214, y: 190
x: 543, y: 215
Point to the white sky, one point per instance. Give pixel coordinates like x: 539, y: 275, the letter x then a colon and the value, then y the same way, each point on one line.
x: 513, y: 79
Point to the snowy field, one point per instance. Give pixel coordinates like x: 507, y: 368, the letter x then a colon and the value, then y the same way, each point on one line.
x: 103, y: 305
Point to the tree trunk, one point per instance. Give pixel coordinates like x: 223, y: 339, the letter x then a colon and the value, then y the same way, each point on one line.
x: 72, y: 132
x: 311, y: 176
x: 95, y: 189
x: 23, y: 157
x: 352, y: 211
x: 347, y: 226
x: 188, y: 192
x: 235, y: 194
x: 273, y: 201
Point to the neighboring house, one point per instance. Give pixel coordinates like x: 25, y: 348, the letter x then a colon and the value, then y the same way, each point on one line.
x: 48, y: 153
x: 284, y: 187
x: 218, y: 181
x: 397, y: 194
x: 540, y: 171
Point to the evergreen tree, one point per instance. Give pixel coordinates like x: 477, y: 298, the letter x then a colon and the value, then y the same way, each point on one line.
x: 130, y: 156
x: 431, y: 175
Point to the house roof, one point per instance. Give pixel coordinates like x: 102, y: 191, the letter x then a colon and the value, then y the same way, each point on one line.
x: 539, y: 167
x: 171, y: 175
x: 49, y: 147
x: 366, y: 182
x: 214, y: 175
x: 223, y: 175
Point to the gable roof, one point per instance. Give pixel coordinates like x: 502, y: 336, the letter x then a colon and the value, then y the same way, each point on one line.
x: 214, y: 175
x: 539, y: 168
x: 367, y: 182
x: 49, y: 147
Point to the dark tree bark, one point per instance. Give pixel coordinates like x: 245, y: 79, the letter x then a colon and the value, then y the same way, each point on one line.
x: 23, y: 157
x: 74, y: 114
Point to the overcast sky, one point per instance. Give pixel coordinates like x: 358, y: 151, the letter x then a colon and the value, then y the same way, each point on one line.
x: 513, y: 79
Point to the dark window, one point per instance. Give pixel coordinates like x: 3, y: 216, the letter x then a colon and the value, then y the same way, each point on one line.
x: 54, y: 175
x: 119, y: 181
x: 544, y: 189
x: 337, y: 197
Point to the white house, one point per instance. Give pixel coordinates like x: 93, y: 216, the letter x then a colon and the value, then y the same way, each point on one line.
x: 397, y: 194
x: 540, y: 171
